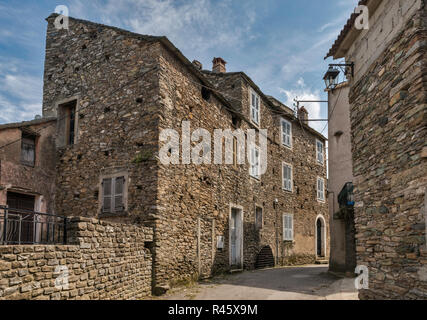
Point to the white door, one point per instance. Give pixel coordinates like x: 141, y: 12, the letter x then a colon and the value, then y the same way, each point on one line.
x: 235, y: 237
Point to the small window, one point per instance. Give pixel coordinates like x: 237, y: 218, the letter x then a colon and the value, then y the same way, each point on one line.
x: 255, y: 107
x: 258, y: 218
x: 320, y: 151
x: 288, y: 227
x: 287, y: 177
x: 255, y: 163
x: 113, y: 195
x: 286, y: 133
x: 68, y: 122
x: 28, y: 150
x: 206, y: 93
x: 321, y: 189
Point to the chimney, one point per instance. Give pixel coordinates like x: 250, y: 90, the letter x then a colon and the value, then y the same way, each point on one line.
x: 219, y: 65
x: 198, y: 64
x: 303, y: 114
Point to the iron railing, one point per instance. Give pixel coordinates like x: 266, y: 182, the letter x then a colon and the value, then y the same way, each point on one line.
x: 346, y: 196
x: 22, y: 227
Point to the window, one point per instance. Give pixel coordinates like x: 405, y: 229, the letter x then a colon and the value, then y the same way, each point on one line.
x: 320, y: 151
x: 258, y: 218
x: 255, y: 107
x: 288, y: 227
x: 255, y: 163
x: 321, y: 189
x: 28, y: 150
x: 287, y: 177
x: 68, y: 123
x: 286, y: 133
x: 113, y: 195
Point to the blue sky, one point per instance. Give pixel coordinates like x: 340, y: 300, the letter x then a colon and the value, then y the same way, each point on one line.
x: 280, y: 44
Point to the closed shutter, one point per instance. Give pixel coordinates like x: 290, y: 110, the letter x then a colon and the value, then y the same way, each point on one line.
x: 107, y: 195
x: 118, y: 194
x: 288, y: 233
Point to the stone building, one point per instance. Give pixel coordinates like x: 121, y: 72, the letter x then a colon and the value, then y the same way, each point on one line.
x: 27, y: 165
x: 113, y: 94
x: 387, y: 98
x: 340, y: 164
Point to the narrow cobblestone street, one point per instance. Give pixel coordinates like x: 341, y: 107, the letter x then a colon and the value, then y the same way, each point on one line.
x: 294, y: 283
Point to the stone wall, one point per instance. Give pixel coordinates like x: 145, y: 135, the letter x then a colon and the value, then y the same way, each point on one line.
x: 112, y: 74
x: 187, y: 205
x: 205, y: 193
x: 102, y: 261
x: 37, y: 180
x: 388, y: 122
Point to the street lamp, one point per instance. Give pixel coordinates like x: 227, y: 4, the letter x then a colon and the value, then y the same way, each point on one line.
x: 331, y: 76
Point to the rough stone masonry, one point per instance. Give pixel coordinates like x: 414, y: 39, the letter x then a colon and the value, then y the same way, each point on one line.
x: 388, y: 127
x: 103, y: 261
x: 126, y: 88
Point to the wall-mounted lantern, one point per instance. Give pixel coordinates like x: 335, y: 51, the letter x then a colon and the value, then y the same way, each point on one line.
x: 331, y: 76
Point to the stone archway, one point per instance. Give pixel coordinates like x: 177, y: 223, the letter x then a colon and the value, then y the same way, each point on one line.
x: 320, y: 237
x: 265, y: 258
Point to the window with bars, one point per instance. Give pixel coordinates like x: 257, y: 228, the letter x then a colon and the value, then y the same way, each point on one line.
x: 288, y: 227
x: 287, y: 177
x: 320, y: 151
x: 113, y: 195
x: 321, y: 189
x: 255, y: 107
x: 286, y: 133
x: 28, y: 150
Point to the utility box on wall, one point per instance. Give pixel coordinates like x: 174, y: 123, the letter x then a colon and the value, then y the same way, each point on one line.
x: 220, y: 242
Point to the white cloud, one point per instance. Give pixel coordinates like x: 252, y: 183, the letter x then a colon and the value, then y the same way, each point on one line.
x: 20, y: 97
x: 303, y: 93
x: 192, y: 25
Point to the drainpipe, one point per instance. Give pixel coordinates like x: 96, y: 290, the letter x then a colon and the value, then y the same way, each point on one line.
x: 275, y: 205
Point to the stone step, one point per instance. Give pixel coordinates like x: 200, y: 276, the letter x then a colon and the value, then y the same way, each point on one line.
x: 322, y: 262
x: 232, y: 271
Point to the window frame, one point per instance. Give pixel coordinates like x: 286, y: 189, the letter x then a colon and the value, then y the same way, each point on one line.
x: 282, y: 121
x: 252, y: 93
x: 323, y: 191
x: 284, y: 229
x: 33, y: 138
x: 258, y: 177
x: 317, y: 152
x: 291, y: 178
x: 124, y: 195
x: 64, y: 108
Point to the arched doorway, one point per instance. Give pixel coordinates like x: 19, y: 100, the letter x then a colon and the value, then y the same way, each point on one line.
x: 265, y: 258
x: 320, y: 237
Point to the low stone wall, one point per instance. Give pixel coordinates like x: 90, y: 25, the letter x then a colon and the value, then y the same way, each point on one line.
x: 103, y: 261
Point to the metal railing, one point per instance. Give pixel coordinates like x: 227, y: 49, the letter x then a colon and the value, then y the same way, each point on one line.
x: 22, y: 227
x: 346, y: 196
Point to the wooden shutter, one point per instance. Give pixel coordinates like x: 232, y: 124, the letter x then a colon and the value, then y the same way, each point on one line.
x: 28, y: 150
x: 118, y: 194
x: 288, y: 232
x: 107, y: 196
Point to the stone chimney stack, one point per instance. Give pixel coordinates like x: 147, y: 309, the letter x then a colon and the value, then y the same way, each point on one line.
x: 198, y: 64
x: 218, y: 65
x: 303, y: 114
